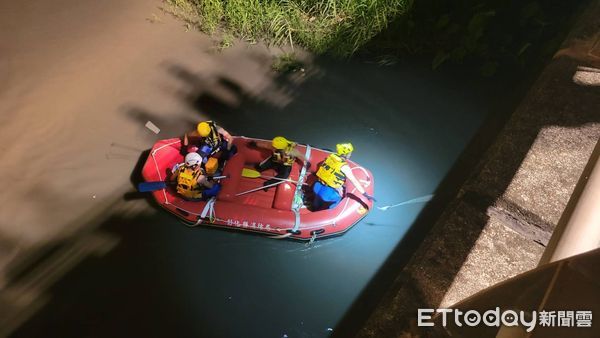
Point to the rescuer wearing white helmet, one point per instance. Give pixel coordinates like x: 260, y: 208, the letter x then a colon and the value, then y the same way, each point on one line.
x: 193, y: 183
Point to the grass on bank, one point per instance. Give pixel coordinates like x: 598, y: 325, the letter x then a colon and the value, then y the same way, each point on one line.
x: 489, y: 34
x: 337, y: 27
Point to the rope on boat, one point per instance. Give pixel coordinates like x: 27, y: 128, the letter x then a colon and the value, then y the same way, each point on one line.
x: 351, y: 192
x: 209, y: 210
x: 298, y: 194
x: 158, y: 172
x: 286, y: 235
x: 312, y: 239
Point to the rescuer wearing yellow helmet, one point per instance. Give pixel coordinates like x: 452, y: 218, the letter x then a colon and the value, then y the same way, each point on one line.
x: 284, y: 154
x: 332, y: 175
x: 211, y: 140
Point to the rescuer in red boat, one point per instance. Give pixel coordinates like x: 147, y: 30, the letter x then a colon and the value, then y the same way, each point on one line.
x: 283, y: 157
x: 193, y: 181
x: 332, y: 175
x: 210, y: 140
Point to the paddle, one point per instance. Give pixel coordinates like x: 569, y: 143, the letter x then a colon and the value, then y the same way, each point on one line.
x: 151, y: 186
x: 158, y: 185
x: 259, y: 188
x: 250, y: 173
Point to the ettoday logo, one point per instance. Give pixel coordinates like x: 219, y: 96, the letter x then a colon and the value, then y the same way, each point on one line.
x: 496, y: 317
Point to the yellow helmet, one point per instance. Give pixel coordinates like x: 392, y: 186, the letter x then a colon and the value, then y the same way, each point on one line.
x: 203, y: 129
x: 280, y: 143
x: 344, y: 149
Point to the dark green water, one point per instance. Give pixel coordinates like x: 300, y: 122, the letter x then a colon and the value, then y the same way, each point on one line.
x: 408, y: 125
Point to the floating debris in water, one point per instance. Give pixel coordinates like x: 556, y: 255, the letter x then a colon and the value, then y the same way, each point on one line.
x: 152, y: 127
x: 94, y: 197
x: 329, y: 329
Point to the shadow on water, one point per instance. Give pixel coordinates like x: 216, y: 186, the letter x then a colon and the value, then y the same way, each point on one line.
x: 420, y: 132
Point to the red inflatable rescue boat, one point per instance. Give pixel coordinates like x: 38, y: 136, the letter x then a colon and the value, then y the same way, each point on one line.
x: 282, y: 211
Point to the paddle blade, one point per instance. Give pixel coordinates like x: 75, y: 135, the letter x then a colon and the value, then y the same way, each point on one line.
x: 250, y: 173
x: 151, y: 186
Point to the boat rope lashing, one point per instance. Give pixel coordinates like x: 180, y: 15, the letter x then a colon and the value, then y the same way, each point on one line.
x: 190, y: 224
x: 311, y: 240
x: 209, y: 210
x: 282, y: 236
x: 297, y: 203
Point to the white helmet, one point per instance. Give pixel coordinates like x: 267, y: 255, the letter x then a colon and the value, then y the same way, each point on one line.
x: 193, y: 159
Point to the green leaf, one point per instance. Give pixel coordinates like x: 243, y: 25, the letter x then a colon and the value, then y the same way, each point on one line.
x: 478, y: 23
x: 523, y: 48
x: 439, y: 58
